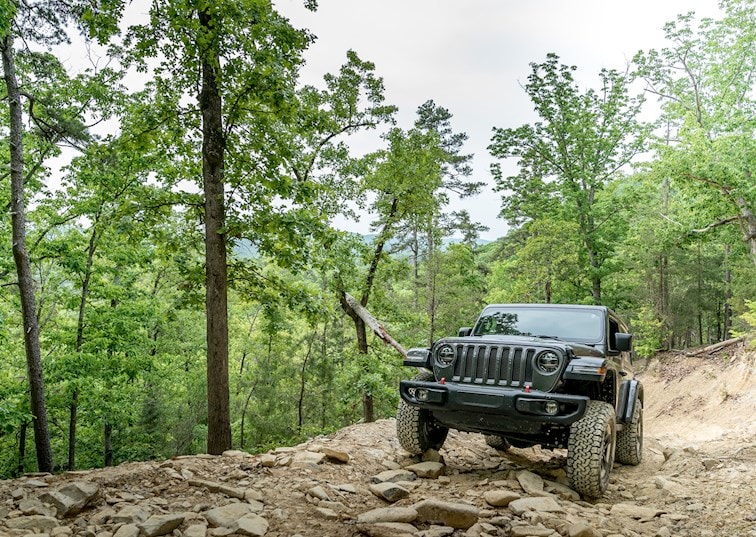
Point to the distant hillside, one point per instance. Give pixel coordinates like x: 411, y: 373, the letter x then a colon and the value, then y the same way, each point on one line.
x: 244, y: 249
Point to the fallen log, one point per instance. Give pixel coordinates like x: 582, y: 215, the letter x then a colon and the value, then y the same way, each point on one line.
x: 715, y: 347
x: 372, y: 323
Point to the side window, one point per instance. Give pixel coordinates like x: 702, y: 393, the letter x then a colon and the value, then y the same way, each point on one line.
x: 613, y: 329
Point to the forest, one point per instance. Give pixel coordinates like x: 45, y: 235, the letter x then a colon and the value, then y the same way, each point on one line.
x: 178, y: 286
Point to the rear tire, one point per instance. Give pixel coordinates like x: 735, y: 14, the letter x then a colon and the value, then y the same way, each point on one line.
x: 498, y: 442
x: 417, y: 429
x: 590, y: 450
x: 630, y: 438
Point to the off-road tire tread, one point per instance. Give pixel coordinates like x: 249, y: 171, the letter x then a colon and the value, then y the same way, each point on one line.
x: 497, y: 442
x: 411, y: 425
x: 585, y: 449
x: 627, y: 439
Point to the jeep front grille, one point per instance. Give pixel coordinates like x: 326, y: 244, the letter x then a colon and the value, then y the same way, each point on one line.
x: 493, y: 365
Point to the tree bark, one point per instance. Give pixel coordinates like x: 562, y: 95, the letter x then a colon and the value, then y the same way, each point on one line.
x: 23, y: 266
x: 368, y: 407
x: 107, y: 434
x: 22, y: 448
x: 216, y: 278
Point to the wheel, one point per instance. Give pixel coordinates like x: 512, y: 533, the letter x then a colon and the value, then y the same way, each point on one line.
x: 630, y: 438
x: 497, y: 442
x: 590, y: 450
x: 417, y: 429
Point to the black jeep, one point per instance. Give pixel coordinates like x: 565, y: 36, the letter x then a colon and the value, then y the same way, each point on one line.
x: 527, y: 374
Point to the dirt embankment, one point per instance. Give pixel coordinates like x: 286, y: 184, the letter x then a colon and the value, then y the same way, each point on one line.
x: 697, y: 479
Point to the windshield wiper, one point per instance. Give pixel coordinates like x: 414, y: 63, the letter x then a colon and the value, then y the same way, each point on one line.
x: 542, y: 336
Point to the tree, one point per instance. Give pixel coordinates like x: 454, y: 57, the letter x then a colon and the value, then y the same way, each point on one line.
x: 704, y: 81
x: 582, y: 141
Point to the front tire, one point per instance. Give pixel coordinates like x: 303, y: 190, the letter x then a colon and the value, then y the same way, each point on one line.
x: 417, y: 429
x: 590, y: 450
x: 630, y: 438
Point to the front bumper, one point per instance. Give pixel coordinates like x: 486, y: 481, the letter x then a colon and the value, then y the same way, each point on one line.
x: 498, y: 409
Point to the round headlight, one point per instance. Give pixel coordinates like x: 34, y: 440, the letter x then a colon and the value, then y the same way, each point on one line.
x: 446, y: 355
x: 547, y: 362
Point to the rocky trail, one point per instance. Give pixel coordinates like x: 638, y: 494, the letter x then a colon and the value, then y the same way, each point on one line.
x: 697, y: 479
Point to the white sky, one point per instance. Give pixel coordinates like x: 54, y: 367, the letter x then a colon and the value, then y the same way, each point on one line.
x: 472, y: 56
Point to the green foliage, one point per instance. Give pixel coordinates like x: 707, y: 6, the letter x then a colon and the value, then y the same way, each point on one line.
x: 567, y: 158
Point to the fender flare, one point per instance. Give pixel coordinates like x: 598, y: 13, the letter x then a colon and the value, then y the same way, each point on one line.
x: 630, y: 394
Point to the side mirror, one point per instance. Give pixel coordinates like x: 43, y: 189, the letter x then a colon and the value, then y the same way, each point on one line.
x: 465, y: 331
x: 623, y: 342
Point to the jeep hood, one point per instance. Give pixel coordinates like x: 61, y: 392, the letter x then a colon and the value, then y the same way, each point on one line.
x: 578, y: 348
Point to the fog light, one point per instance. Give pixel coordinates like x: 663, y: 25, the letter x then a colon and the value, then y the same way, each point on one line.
x: 551, y: 408
x: 422, y: 395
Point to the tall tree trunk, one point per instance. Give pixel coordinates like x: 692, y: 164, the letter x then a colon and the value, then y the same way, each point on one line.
x: 216, y: 279
x: 21, y: 448
x: 302, y: 383
x: 727, y: 314
x: 73, y: 411
x: 368, y: 406
x: 23, y: 266
x: 748, y: 223
x: 73, y: 405
x: 107, y: 442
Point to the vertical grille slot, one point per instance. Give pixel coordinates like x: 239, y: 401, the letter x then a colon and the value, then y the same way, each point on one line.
x: 493, y: 365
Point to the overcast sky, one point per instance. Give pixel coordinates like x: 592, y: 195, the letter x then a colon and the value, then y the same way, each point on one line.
x: 473, y: 56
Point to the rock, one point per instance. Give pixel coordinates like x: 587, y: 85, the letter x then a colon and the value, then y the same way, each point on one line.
x: 481, y: 528
x: 236, y: 454
x: 430, y: 470
x: 70, y: 499
x: 390, y: 492
x: 227, y: 515
x: 303, y: 459
x: 436, y: 531
x: 670, y: 487
x: 268, y: 460
x: 530, y: 531
x: 196, y: 530
x: 393, y: 476
x: 173, y: 474
x: 388, y: 514
x: 61, y: 531
x: 697, y: 506
x: 346, y: 487
x: 328, y: 514
x: 158, y: 525
x: 530, y: 482
x: 635, y: 511
x: 252, y: 525
x: 254, y: 495
x: 31, y: 506
x: 336, y: 455
x: 432, y: 455
x: 32, y: 522
x: 127, y: 530
x: 131, y: 514
x: 500, y: 498
x: 387, y: 529
x: 538, y: 504
x: 319, y: 493
x: 563, y: 491
x: 583, y: 529
x: 232, y: 492
x: 455, y: 515
x: 102, y: 516
x: 35, y: 483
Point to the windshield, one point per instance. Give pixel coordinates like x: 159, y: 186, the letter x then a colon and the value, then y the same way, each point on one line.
x: 568, y: 324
